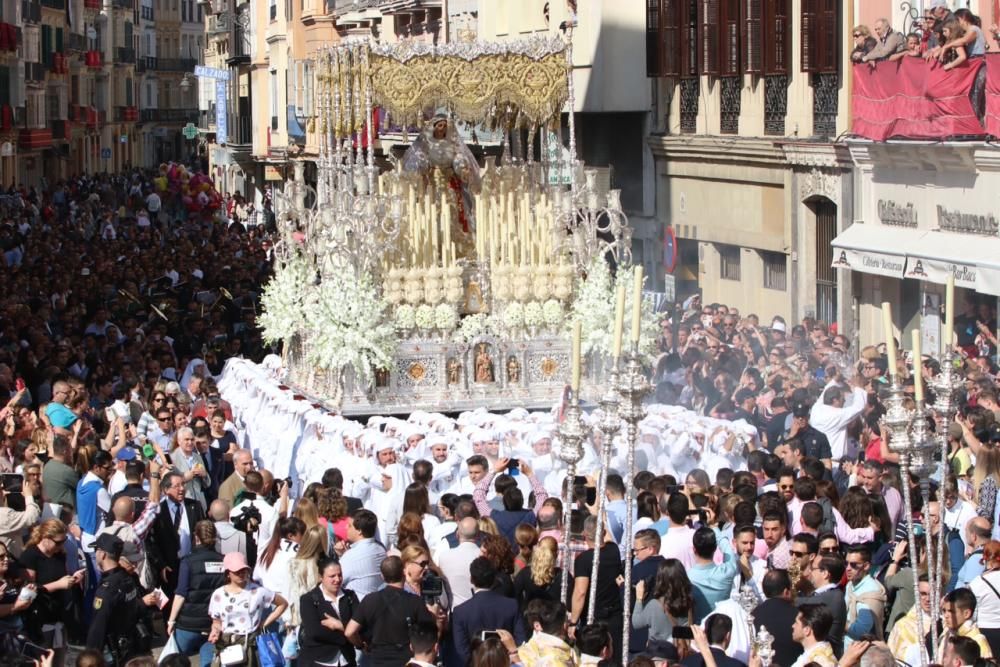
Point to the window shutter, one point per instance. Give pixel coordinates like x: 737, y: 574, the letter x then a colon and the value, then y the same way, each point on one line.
x: 729, y: 37
x: 753, y: 35
x: 825, y: 37
x: 654, y: 58
x: 670, y: 37
x: 689, y: 37
x: 46, y: 45
x: 709, y: 47
x: 59, y: 40
x: 776, y: 36
x: 809, y: 51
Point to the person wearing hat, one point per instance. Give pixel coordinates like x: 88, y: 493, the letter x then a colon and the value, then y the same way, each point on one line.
x: 117, y: 626
x: 237, y: 609
x: 817, y: 445
x: 118, y: 480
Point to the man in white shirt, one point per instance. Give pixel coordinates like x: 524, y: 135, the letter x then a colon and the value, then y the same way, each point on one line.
x: 833, y: 412
x: 810, y: 629
x: 677, y: 542
x: 252, y: 497
x: 118, y: 480
x: 957, y: 512
x: 455, y: 562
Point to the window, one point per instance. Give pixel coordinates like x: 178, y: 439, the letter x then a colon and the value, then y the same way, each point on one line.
x: 729, y: 262
x: 775, y: 270
x: 274, y: 99
x: 307, y: 76
x: 820, y: 45
x: 777, y: 36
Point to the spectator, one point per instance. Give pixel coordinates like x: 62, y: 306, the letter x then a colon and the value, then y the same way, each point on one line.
x: 812, y: 624
x: 607, y: 601
x: 865, y: 598
x: 864, y: 43
x: 548, y: 645
x: 889, y: 42
x: 719, y: 630
x: 238, y: 608
x: 485, y: 610
x: 201, y: 574
x: 363, y: 557
x: 958, y: 609
x: 326, y: 610
x: 664, y: 605
x: 912, y: 49
x: 777, y: 614
x: 171, y: 537
x: 542, y: 578
x: 826, y: 574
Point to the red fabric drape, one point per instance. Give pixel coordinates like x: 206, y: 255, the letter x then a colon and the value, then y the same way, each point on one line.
x: 913, y: 99
x: 993, y: 94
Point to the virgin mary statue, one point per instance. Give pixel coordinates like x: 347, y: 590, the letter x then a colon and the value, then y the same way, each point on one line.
x: 441, y: 156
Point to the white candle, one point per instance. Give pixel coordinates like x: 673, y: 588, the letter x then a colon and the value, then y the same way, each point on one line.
x: 619, y: 320
x: 575, y: 383
x: 918, y: 383
x: 637, y: 304
x: 948, y: 333
x: 890, y: 344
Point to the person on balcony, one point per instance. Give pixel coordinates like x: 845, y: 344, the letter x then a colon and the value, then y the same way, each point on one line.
x: 912, y: 48
x: 953, y: 52
x: 972, y: 39
x: 863, y: 42
x: 889, y: 43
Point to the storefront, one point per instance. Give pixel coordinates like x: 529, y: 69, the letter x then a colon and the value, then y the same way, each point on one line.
x: 926, y: 210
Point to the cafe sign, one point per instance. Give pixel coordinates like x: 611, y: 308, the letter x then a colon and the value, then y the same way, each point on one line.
x: 891, y: 213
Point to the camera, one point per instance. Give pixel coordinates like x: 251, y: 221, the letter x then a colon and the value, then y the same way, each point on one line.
x: 431, y: 587
x: 248, y: 520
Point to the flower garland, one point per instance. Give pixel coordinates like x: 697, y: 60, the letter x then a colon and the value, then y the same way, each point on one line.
x: 533, y: 316
x: 552, y: 313
x: 405, y: 317
x: 474, y: 326
x: 424, y: 317
x: 348, y: 325
x: 445, y: 317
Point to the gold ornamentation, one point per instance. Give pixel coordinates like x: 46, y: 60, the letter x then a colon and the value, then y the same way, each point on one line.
x: 417, y: 371
x: 549, y: 367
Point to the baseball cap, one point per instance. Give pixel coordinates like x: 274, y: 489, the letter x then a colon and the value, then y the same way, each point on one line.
x: 125, y: 454
x: 109, y: 544
x: 800, y: 409
x: 235, y: 562
x: 778, y: 325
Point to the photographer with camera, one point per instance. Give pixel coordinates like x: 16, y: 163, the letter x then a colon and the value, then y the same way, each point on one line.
x: 381, y: 625
x: 18, y: 510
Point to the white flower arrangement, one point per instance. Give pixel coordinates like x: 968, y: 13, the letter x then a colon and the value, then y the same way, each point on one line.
x: 348, y: 326
x: 445, y: 317
x: 474, y: 326
x: 405, y: 317
x: 284, y: 302
x: 594, y: 308
x: 513, y: 315
x: 552, y: 313
x: 533, y: 316
x: 425, y: 316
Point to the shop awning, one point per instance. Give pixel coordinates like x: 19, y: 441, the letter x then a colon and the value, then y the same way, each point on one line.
x: 874, y: 249
x: 975, y: 261
x: 899, y: 252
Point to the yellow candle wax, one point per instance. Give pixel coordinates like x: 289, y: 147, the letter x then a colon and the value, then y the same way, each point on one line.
x: 947, y: 334
x: 637, y: 304
x: 575, y: 382
x: 918, y: 383
x: 890, y: 345
x: 619, y: 320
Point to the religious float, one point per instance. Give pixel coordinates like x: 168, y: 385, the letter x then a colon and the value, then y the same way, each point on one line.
x: 443, y: 272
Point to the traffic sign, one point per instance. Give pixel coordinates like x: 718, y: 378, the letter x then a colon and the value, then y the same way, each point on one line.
x: 670, y: 287
x: 190, y: 131
x: 105, y: 153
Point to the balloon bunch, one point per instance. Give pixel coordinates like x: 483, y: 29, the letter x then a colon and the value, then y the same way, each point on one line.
x: 195, y: 190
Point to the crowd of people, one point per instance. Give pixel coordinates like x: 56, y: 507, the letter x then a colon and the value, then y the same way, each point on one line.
x: 133, y: 512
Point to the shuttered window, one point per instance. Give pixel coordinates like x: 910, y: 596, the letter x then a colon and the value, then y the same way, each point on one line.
x: 663, y: 37
x: 777, y: 36
x: 820, y: 47
x: 752, y: 23
x: 689, y: 37
x: 654, y: 58
x: 729, y: 37
x: 708, y: 25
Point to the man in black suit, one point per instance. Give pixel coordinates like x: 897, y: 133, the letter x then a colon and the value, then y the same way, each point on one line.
x: 334, y: 479
x: 172, y: 535
x: 718, y: 631
x: 485, y: 610
x: 215, y: 462
x: 777, y: 613
x: 647, y: 559
x: 827, y: 572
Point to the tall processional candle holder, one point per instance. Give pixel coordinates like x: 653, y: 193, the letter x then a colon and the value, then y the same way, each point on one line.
x: 608, y: 425
x: 571, y: 437
x: 946, y: 385
x: 633, y: 388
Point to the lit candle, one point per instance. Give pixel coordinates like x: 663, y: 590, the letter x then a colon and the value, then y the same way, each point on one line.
x: 918, y: 383
x: 575, y: 384
x: 637, y: 304
x: 949, y: 311
x: 619, y: 320
x: 890, y: 344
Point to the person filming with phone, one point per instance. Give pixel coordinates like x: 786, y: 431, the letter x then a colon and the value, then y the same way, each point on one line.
x: 18, y: 510
x: 513, y: 512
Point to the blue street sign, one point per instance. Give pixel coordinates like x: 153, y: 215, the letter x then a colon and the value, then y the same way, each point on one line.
x: 221, y: 128
x: 105, y: 153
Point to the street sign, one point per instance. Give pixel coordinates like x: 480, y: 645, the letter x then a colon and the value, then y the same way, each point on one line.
x: 211, y: 73
x: 105, y: 153
x: 221, y: 125
x: 123, y: 139
x: 669, y: 250
x: 190, y: 131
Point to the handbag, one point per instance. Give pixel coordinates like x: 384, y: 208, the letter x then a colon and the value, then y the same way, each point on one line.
x: 234, y: 654
x: 290, y: 647
x: 269, y: 650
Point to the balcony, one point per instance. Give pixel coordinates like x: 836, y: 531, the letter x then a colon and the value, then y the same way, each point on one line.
x: 126, y: 114
x: 76, y: 42
x: 35, y: 138
x: 34, y: 72
x: 169, y: 115
x: 240, y: 133
x: 55, y: 4
x: 124, y: 56
x: 31, y: 11
x: 911, y: 99
x: 92, y: 5
x: 60, y: 63
x: 218, y: 25
x: 146, y: 13
x: 156, y: 64
x: 123, y: 4
x: 62, y: 129
x: 239, y: 47
x: 93, y: 59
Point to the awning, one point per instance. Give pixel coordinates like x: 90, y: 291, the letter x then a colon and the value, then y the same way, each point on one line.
x: 874, y: 249
x: 922, y: 255
x: 974, y: 261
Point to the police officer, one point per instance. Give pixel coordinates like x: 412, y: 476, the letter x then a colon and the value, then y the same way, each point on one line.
x: 816, y: 443
x: 117, y: 627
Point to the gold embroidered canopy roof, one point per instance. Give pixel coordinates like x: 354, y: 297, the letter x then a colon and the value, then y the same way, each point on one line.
x: 479, y: 82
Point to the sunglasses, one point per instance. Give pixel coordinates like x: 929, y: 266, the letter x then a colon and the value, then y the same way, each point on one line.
x: 799, y: 554
x: 422, y: 563
x: 829, y: 550
x: 855, y: 565
x: 857, y: 34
